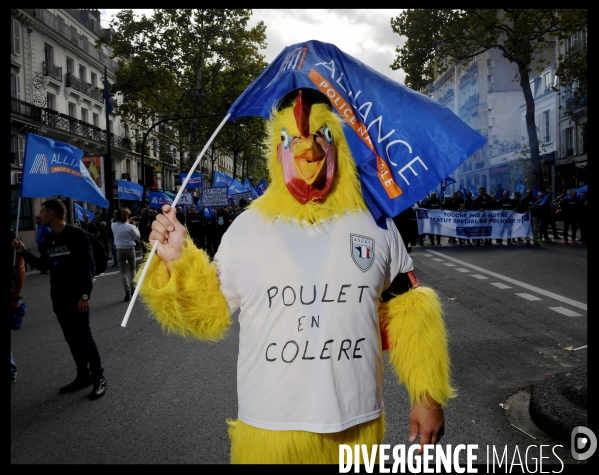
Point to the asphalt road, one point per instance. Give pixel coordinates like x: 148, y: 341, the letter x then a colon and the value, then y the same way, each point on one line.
x: 510, y: 312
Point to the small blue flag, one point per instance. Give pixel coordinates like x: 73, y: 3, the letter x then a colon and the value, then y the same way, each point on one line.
x: 129, y: 190
x: 403, y: 142
x: 80, y: 212
x: 107, y: 99
x: 261, y: 187
x: 445, y: 183
x: 158, y: 199
x: 236, y: 187
x: 520, y: 187
x: 473, y: 189
x: 55, y: 168
x: 222, y: 179
x: 249, y: 186
x: 194, y: 182
x: 41, y: 233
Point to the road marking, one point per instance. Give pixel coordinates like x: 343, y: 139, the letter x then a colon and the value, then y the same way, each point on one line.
x: 449, y: 264
x: 532, y: 298
x: 479, y: 277
x: 427, y: 255
x: 461, y: 269
x: 500, y: 285
x: 565, y: 311
x: 546, y: 293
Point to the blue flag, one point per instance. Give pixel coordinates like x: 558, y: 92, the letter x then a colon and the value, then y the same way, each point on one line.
x: 472, y: 188
x: 222, y: 179
x: 403, y: 142
x: 445, y: 183
x: 195, y: 181
x: 520, y: 187
x: 236, y: 187
x: 80, y: 212
x: 535, y: 192
x: 41, y: 233
x: 129, y: 190
x: 107, y: 99
x: 261, y: 187
x: 158, y: 199
x: 546, y: 197
x: 55, y: 168
x: 249, y: 186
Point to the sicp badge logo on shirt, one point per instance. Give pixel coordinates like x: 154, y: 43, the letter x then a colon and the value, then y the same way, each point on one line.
x: 362, y: 251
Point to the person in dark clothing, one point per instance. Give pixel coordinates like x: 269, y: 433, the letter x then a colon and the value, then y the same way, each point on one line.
x: 17, y: 279
x: 88, y: 225
x: 67, y: 254
x: 103, y: 233
x: 460, y: 204
x: 527, y: 204
x: 434, y: 203
x: 570, y: 205
x: 195, y: 228
x: 583, y: 217
x: 144, y: 227
x: 505, y: 203
x: 484, y: 202
x: 405, y: 222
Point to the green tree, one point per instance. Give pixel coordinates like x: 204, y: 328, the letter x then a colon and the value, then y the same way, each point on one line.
x: 437, y: 38
x: 171, y: 63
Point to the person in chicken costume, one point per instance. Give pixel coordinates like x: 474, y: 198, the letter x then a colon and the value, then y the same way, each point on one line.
x: 323, y: 290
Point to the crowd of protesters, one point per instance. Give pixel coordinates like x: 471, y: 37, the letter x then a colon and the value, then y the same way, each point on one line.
x: 573, y: 210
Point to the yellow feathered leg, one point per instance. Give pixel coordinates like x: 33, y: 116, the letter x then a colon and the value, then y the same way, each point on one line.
x: 250, y: 445
x: 418, y: 343
x: 188, y: 300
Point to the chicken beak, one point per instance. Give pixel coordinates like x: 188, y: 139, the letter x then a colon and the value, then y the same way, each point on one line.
x: 309, y: 161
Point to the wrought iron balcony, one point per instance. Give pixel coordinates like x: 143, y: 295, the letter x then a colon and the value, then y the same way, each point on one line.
x: 83, y: 87
x: 55, y: 72
x: 25, y: 109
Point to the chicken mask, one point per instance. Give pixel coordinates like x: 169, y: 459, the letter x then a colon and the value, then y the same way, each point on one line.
x: 308, y: 159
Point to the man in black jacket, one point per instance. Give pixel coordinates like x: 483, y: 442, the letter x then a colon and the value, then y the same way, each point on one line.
x: 88, y: 225
x: 483, y: 202
x: 505, y: 203
x: 434, y: 203
x: 528, y: 204
x: 67, y: 254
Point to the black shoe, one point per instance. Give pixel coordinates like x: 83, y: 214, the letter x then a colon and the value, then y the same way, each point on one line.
x: 99, y: 389
x: 78, y: 383
x: 127, y: 296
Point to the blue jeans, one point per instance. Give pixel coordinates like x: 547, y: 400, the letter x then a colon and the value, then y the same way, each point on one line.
x: 13, y: 368
x: 78, y: 334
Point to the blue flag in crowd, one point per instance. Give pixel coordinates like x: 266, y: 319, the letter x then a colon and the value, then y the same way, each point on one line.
x: 472, y: 188
x: 261, y: 187
x: 236, y: 187
x: 535, y: 192
x: 249, y: 187
x: 55, y: 168
x: 158, y: 199
x: 80, y: 212
x: 520, y: 187
x: 41, y: 233
x: 129, y: 190
x: 107, y: 99
x: 445, y: 183
x: 546, y: 198
x: 195, y: 181
x: 209, y: 213
x: 222, y: 179
x: 403, y: 142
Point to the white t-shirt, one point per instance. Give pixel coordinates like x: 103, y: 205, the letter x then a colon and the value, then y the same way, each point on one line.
x: 309, y: 344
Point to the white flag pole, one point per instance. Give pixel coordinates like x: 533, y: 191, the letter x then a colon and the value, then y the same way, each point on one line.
x: 14, y: 256
x: 173, y: 204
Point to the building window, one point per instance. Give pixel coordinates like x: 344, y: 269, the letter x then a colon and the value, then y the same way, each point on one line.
x: 570, y: 141
x: 154, y: 147
x: 547, y: 81
x: 84, y: 114
x: 96, y: 120
x: 82, y: 73
x: 51, y: 98
x: 15, y: 86
x: 547, y: 126
x: 17, y: 148
x: 15, y: 45
x: 70, y: 65
x: 94, y: 78
x: 72, y: 110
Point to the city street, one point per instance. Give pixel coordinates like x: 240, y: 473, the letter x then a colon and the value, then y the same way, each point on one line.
x: 510, y: 314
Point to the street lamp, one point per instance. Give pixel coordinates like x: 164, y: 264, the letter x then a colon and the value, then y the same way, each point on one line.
x: 143, y: 143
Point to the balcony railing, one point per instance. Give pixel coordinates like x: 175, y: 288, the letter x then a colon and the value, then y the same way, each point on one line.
x: 25, y: 109
x: 60, y: 26
x: 84, y: 88
x: 55, y: 72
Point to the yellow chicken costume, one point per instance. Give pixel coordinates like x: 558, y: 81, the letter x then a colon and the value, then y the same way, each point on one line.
x: 322, y: 291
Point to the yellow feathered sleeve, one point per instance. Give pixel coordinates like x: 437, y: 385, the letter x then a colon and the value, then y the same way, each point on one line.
x: 188, y: 301
x: 418, y: 343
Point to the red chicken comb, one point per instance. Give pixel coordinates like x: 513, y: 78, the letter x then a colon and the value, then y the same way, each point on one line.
x: 301, y: 112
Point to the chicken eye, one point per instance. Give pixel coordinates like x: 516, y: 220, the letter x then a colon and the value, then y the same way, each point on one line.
x: 327, y: 134
x: 285, y: 138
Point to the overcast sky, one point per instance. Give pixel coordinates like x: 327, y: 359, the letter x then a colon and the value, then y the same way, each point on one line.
x: 364, y: 34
